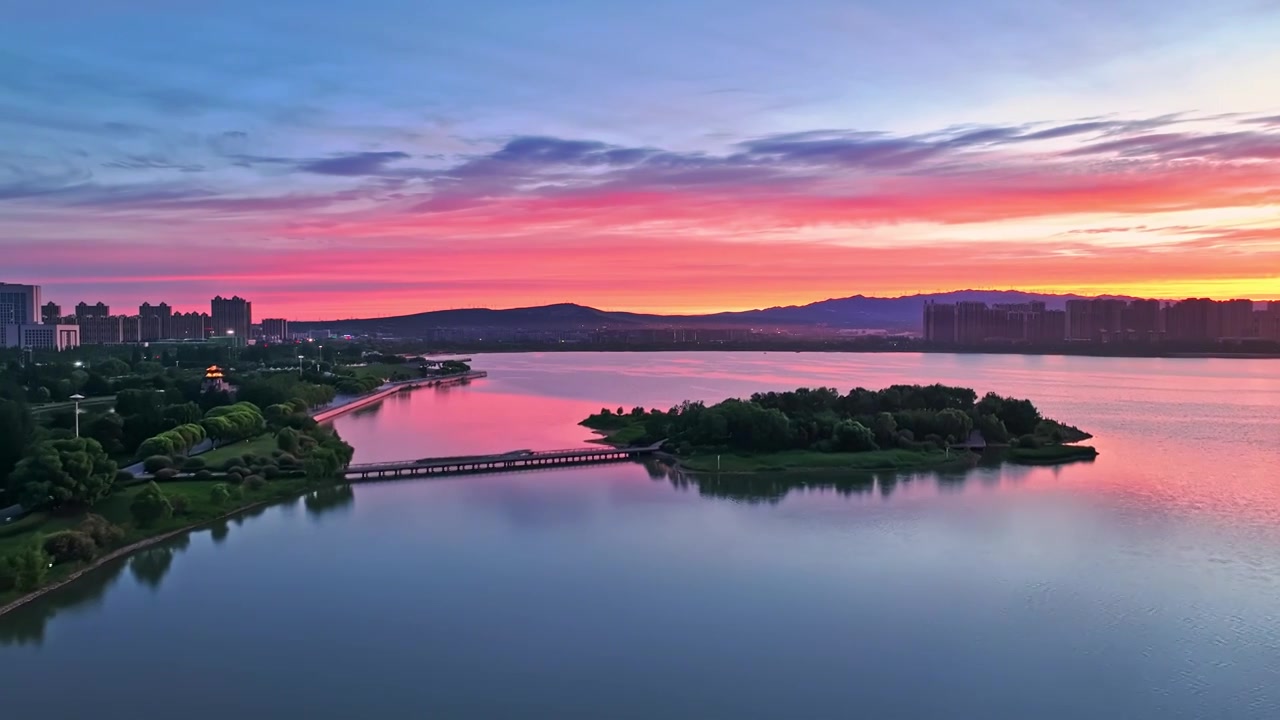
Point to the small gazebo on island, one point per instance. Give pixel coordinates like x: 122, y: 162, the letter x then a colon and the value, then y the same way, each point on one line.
x: 214, y: 381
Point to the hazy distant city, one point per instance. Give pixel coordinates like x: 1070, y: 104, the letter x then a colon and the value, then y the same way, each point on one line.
x: 926, y: 321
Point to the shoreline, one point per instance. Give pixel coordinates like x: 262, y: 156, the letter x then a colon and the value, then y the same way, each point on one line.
x: 126, y: 551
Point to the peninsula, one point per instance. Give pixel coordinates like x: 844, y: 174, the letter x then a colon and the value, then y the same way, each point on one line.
x: 902, y: 427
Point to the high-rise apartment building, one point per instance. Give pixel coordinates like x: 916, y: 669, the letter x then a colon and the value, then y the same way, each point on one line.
x: 156, y: 321
x: 130, y: 328
x: 231, y: 317
x: 1236, y: 318
x: 50, y: 313
x: 275, y: 329
x: 101, y: 330
x: 19, y: 304
x: 85, y: 310
x: 190, y: 326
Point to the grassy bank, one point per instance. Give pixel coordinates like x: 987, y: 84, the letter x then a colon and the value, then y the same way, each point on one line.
x: 1051, y: 454
x: 195, y: 495
x: 261, y: 445
x: 622, y: 437
x: 872, y: 461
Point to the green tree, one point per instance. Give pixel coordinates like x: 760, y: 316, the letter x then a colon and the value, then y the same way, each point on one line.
x: 55, y: 473
x: 150, y: 506
x: 853, y: 436
x: 219, y: 494
x: 955, y: 424
x: 30, y: 566
x: 885, y: 428
x: 70, y: 546
x: 108, y: 430
x: 16, y: 427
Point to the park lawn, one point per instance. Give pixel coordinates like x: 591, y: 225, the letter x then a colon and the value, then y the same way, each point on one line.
x: 261, y: 445
x: 875, y: 460
x: 1051, y: 454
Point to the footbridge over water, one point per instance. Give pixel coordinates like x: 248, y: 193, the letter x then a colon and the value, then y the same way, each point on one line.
x: 515, y: 460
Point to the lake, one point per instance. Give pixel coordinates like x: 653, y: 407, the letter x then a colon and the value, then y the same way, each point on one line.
x: 1145, y: 584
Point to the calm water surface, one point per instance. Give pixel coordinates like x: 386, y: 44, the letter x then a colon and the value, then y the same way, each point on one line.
x: 1143, y: 585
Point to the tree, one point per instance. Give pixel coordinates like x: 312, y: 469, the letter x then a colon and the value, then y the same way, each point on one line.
x: 853, y: 436
x: 112, y: 367
x: 219, y: 494
x: 70, y: 546
x: 154, y: 463
x: 103, y: 533
x: 16, y: 427
x: 108, y: 430
x: 150, y: 506
x: 885, y: 428
x: 955, y: 424
x: 30, y: 566
x: 993, y: 431
x: 74, y: 471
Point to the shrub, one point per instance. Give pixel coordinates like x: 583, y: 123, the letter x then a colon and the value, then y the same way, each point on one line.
x: 286, y: 460
x: 255, y: 482
x: 70, y: 546
x: 203, y: 475
x: 8, y: 576
x: 231, y: 463
x: 237, y: 493
x: 219, y: 494
x: 193, y: 464
x: 150, y: 506
x: 180, y: 505
x: 104, y: 534
x: 123, y: 477
x: 1028, y: 442
x: 270, y: 472
x: 165, y: 474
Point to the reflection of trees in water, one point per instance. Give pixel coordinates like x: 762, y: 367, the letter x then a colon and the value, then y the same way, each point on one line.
x: 252, y: 512
x: 330, y: 499
x: 151, y: 565
x: 773, y: 487
x: 27, y: 624
x: 219, y: 531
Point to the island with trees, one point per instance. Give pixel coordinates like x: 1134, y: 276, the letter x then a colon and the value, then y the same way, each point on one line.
x: 902, y: 427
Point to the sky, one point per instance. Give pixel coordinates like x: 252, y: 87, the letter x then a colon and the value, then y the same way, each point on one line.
x: 330, y: 159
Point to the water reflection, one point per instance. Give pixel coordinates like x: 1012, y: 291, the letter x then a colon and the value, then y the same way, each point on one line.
x: 26, y: 625
x: 773, y: 488
x: 329, y: 500
x: 149, y: 566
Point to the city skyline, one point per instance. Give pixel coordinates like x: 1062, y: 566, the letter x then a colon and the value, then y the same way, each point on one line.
x: 668, y: 158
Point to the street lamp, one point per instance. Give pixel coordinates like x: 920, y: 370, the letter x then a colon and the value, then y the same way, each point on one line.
x: 299, y: 366
x: 77, y: 397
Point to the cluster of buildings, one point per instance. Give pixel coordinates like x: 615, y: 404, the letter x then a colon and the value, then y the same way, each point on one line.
x: 28, y: 323
x: 1102, y: 320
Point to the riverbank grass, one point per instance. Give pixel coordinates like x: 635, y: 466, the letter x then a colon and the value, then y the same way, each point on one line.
x: 261, y: 445
x: 873, y: 461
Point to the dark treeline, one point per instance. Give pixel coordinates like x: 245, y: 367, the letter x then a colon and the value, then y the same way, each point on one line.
x: 822, y: 419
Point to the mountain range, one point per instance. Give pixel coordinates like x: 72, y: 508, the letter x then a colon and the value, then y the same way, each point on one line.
x: 895, y: 314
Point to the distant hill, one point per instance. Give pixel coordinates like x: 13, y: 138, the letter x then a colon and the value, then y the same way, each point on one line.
x: 901, y: 313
